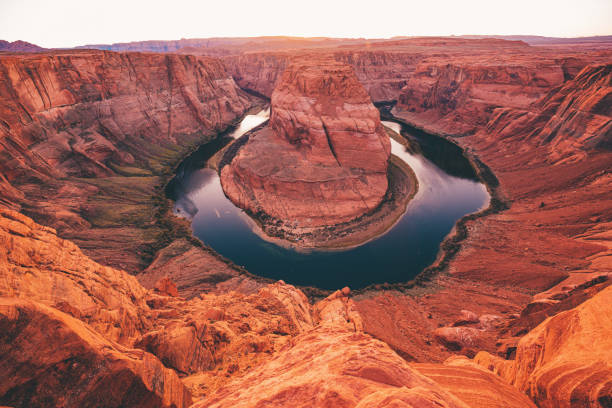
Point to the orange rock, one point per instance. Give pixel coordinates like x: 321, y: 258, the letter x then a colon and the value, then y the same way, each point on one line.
x: 466, y: 318
x: 323, y: 161
x: 566, y: 360
x: 166, y: 286
x: 352, y: 370
x: 39, y: 266
x: 196, y: 269
x: 473, y: 384
x: 48, y: 358
x: 458, y: 338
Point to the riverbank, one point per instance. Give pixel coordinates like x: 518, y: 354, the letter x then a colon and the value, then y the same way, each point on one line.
x: 451, y: 245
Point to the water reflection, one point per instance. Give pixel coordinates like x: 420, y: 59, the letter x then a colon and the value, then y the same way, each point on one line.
x: 447, y: 192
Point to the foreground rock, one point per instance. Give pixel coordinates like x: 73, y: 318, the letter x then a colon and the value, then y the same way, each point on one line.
x: 566, y: 360
x: 48, y: 358
x: 148, y: 349
x: 351, y: 370
x: 323, y: 160
x: 35, y: 264
x: 474, y: 384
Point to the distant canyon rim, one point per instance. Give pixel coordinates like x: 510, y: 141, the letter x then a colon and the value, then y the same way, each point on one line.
x: 512, y: 312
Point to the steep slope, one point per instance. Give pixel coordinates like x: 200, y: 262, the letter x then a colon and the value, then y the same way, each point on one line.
x: 109, y: 126
x: 353, y: 370
x: 473, y: 384
x: 50, y: 359
x: 456, y: 98
x: 574, y: 119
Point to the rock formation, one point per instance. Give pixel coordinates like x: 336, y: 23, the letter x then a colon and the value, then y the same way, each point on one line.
x: 323, y: 160
x: 109, y: 125
x: 571, y: 121
x: 353, y: 370
x: 458, y: 97
x: 566, y: 360
x: 473, y: 384
x: 51, y: 359
x: 385, y: 67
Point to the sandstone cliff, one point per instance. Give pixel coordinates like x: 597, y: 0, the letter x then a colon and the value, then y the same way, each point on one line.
x: 385, y: 67
x: 572, y: 120
x: 323, y: 161
x: 109, y: 126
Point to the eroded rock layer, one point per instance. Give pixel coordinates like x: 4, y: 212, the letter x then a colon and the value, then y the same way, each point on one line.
x: 108, y: 125
x: 323, y: 160
x: 566, y: 360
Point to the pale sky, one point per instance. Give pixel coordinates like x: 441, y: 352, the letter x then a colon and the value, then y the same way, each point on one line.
x: 67, y: 23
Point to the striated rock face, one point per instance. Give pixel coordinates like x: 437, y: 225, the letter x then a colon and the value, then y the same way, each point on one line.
x: 35, y: 264
x: 476, y: 386
x: 109, y: 125
x: 48, y: 358
x: 323, y: 160
x: 382, y: 73
x: 82, y: 113
x: 566, y: 360
x: 572, y: 120
x: 258, y: 72
x: 458, y: 97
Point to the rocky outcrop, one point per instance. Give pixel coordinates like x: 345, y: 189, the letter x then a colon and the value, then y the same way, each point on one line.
x: 196, y: 269
x: 323, y: 160
x: 48, y: 358
x: 109, y: 125
x: 37, y: 265
x: 352, y: 370
x: 566, y: 360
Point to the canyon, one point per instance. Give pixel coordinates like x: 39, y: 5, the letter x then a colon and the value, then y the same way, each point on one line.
x: 513, y: 313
